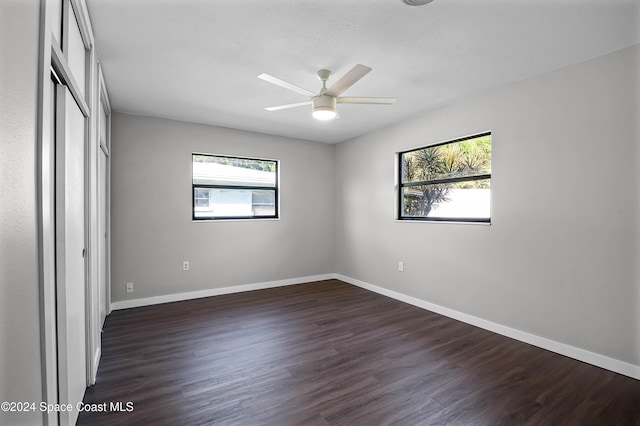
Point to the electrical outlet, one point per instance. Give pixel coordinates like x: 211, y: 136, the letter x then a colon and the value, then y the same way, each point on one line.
x: 400, y: 266
x: 129, y: 287
x: 185, y: 265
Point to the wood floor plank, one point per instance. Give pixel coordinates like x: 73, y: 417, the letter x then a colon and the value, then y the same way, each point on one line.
x: 327, y: 354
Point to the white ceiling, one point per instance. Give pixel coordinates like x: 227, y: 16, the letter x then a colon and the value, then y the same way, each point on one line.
x: 198, y: 60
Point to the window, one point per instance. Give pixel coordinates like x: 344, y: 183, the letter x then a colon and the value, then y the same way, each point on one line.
x: 233, y: 188
x: 450, y: 181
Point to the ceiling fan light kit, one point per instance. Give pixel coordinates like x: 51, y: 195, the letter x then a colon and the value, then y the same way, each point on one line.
x: 324, y: 107
x: 324, y: 103
x: 417, y: 2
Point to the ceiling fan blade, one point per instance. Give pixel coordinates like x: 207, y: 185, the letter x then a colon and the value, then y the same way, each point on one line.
x: 278, y: 82
x: 279, y: 107
x: 348, y: 80
x: 373, y: 101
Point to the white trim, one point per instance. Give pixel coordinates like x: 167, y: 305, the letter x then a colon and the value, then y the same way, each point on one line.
x: 247, y: 219
x: 103, y: 90
x: 81, y: 14
x: 46, y: 217
x: 96, y: 363
x: 155, y: 300
x: 92, y: 302
x: 583, y: 355
x: 105, y: 146
x: 446, y: 222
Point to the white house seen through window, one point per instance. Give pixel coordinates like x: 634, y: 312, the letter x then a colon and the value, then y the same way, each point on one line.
x: 234, y: 188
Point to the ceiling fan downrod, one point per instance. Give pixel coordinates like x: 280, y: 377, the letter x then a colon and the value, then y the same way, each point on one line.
x: 324, y: 75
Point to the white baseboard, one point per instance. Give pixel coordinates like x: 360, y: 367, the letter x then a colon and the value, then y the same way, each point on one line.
x: 583, y: 355
x: 176, y: 297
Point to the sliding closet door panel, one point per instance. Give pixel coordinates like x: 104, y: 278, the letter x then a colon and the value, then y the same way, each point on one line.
x: 70, y: 212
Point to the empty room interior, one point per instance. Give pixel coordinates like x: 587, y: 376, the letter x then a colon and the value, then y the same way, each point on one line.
x: 408, y: 212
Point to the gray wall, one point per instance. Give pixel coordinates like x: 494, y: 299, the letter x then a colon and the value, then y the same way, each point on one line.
x: 19, y: 298
x: 152, y: 231
x: 559, y: 260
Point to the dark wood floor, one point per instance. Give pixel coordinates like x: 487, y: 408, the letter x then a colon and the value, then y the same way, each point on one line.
x: 329, y: 353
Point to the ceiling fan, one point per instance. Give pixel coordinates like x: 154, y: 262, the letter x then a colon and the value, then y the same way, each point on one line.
x: 324, y: 102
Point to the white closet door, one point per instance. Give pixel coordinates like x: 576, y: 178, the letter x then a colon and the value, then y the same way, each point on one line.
x: 70, y: 230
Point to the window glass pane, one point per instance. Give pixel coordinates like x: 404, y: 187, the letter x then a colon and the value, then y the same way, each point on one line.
x: 469, y: 157
x: 461, y: 200
x: 230, y: 202
x: 228, y: 171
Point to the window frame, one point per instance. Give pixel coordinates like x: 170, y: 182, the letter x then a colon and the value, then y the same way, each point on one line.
x: 275, y: 188
x: 401, y: 185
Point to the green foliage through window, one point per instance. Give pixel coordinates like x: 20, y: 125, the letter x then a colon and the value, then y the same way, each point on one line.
x: 448, y: 181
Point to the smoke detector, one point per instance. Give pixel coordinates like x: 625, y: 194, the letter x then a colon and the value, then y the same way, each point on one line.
x: 417, y: 2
